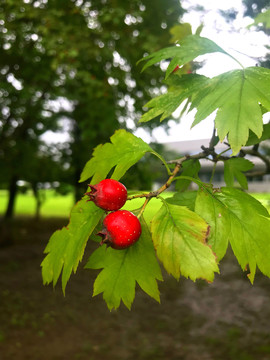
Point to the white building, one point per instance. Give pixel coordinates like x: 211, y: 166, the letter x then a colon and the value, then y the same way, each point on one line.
x: 191, y: 147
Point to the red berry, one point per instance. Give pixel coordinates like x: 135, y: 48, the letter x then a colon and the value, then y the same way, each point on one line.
x: 109, y: 194
x: 121, y: 229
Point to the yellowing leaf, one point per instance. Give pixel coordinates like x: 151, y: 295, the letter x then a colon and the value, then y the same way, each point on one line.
x: 238, y: 218
x: 123, y: 268
x: 179, y: 236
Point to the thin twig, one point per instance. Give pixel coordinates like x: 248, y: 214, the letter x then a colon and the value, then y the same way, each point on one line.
x: 212, y: 140
x: 215, y: 157
x: 180, y: 161
x: 151, y: 194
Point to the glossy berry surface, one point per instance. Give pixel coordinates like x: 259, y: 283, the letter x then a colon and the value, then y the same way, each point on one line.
x: 121, y: 229
x: 108, y: 194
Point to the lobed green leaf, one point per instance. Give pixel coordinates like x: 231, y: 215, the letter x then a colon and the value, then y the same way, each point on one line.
x: 66, y: 247
x: 186, y: 198
x: 190, y: 168
x: 234, y: 168
x: 253, y: 139
x: 181, y: 88
x: 238, y: 218
x: 124, y: 151
x: 190, y: 48
x: 123, y: 268
x: 236, y: 95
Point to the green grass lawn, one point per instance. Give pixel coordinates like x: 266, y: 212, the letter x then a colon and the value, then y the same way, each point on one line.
x: 56, y: 205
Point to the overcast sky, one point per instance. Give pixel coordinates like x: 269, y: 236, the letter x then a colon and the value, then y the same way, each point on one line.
x: 233, y: 37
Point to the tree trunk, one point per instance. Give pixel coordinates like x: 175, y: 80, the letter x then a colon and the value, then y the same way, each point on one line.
x: 38, y: 200
x: 77, y: 155
x: 12, y: 196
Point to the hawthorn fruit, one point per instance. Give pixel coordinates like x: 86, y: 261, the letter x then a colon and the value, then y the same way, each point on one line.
x: 108, y: 194
x: 121, y: 229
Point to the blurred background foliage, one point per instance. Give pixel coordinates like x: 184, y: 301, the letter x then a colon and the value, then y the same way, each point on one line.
x: 69, y: 67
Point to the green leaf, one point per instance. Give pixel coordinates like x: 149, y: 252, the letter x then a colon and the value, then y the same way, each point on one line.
x: 199, y: 29
x: 123, y: 268
x: 124, y: 151
x: 191, y: 47
x: 253, y: 139
x: 263, y: 18
x: 66, y: 247
x: 234, y: 168
x: 237, y: 96
x: 238, y: 218
x: 190, y: 168
x: 179, y: 236
x: 186, y: 198
x: 181, y: 88
x: 180, y: 31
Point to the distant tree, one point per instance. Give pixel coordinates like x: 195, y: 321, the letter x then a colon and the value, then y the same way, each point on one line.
x: 27, y: 86
x: 255, y: 7
x: 102, y: 80
x: 85, y: 52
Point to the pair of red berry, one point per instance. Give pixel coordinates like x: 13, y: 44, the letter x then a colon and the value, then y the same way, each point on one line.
x: 121, y: 228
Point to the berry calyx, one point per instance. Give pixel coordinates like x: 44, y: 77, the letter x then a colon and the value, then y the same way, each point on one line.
x: 108, y: 194
x: 121, y: 229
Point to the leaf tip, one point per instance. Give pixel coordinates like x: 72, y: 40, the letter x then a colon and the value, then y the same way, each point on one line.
x: 251, y: 278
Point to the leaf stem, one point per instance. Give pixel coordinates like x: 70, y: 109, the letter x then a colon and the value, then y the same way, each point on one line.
x: 213, y: 173
x: 238, y: 62
x: 156, y: 193
x: 178, y: 164
x: 163, y: 161
x: 215, y: 164
x: 143, y: 207
x: 180, y: 161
